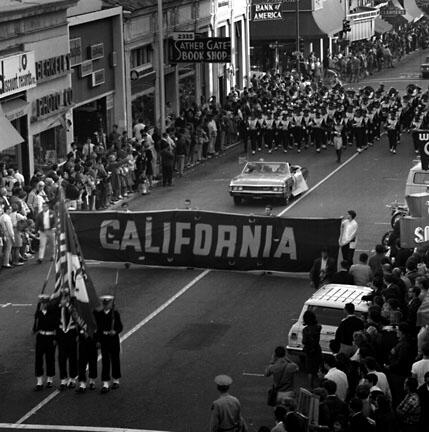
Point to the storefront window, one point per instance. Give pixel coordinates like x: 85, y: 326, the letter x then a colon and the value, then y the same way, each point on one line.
x: 50, y: 147
x: 187, y: 92
x: 143, y: 109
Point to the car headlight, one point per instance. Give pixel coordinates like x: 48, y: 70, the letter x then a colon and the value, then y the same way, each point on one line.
x: 276, y: 189
x: 240, y: 188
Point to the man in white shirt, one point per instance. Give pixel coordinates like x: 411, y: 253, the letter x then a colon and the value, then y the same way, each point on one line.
x: 9, y: 235
x: 421, y: 367
x: 336, y: 375
x: 382, y: 382
x: 347, y: 240
x: 45, y: 224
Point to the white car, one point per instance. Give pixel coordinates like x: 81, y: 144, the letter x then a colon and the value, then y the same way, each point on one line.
x: 328, y: 305
x: 262, y: 179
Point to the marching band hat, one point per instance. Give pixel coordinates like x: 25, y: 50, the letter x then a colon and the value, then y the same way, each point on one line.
x: 106, y: 298
x: 223, y: 380
x: 43, y: 297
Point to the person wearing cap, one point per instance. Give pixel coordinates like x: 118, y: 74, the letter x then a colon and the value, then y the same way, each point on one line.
x: 348, y: 235
x: 44, y: 327
x: 87, y: 360
x: 298, y: 128
x: 253, y: 127
x: 359, y: 130
x: 318, y: 128
x: 226, y: 410
x: 338, y: 133
x: 67, y: 344
x: 393, y: 131
x: 268, y: 128
x: 109, y: 326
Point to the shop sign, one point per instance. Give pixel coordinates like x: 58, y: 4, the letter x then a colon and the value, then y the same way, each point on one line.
x: 75, y: 51
x: 266, y: 11
x: 17, y: 73
x: 98, y: 78
x: 96, y: 51
x: 222, y: 3
x: 51, y: 103
x: 86, y: 68
x: 52, y: 67
x: 423, y: 146
x: 204, y: 50
x: 183, y: 36
x: 109, y: 102
x: 391, y: 10
x: 414, y: 231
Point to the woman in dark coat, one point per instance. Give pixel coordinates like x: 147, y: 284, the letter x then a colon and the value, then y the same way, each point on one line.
x: 311, y: 345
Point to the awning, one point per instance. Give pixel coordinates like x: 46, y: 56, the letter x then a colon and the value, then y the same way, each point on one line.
x: 327, y: 20
x: 9, y: 136
x: 381, y: 26
x: 15, y: 108
x: 412, y: 11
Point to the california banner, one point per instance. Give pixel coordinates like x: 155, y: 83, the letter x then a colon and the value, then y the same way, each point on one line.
x: 191, y: 238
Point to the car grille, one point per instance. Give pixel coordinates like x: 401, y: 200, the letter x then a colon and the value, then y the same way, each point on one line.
x: 258, y: 188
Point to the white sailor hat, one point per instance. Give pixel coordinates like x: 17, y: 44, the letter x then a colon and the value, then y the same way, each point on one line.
x: 106, y: 298
x: 44, y: 297
x: 223, y: 380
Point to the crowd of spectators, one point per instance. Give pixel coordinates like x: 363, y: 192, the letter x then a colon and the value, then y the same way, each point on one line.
x: 377, y: 375
x: 361, y: 59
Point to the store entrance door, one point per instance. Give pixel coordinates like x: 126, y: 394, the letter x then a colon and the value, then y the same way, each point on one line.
x: 89, y: 119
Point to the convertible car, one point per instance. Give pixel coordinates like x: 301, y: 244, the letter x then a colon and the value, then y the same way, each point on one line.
x: 278, y: 180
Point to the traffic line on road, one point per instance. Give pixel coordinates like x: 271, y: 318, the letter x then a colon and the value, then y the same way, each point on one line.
x: 318, y: 184
x: 71, y: 428
x: 5, y: 305
x: 129, y: 333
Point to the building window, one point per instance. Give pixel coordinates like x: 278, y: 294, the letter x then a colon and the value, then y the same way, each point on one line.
x: 141, y: 56
x: 50, y: 147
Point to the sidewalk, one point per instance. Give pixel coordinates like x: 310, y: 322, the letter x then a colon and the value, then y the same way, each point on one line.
x: 158, y: 183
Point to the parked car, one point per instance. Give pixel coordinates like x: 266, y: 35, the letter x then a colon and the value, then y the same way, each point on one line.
x: 328, y: 304
x: 277, y: 180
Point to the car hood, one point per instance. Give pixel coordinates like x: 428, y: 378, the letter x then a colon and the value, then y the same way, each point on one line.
x: 259, y: 180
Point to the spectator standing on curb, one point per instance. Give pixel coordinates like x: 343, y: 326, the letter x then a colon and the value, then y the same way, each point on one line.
x: 45, y: 225
x: 348, y: 236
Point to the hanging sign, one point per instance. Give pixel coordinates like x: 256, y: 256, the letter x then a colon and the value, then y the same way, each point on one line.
x: 204, y: 50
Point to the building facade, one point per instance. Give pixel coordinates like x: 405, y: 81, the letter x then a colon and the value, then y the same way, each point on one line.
x: 185, y: 83
x: 35, y: 85
x: 97, y: 63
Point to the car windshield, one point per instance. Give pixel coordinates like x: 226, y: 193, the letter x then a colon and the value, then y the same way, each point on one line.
x: 266, y: 168
x: 329, y: 316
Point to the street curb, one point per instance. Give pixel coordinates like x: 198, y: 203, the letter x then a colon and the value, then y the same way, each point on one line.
x: 135, y: 195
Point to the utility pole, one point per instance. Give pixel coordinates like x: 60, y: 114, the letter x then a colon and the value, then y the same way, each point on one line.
x: 161, y: 65
x: 298, y: 66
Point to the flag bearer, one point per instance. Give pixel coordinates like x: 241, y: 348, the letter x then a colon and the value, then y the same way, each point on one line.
x: 109, y: 326
x: 67, y: 345
x: 45, y: 325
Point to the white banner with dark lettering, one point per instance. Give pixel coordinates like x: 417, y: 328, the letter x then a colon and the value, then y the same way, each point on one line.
x: 204, y: 239
x: 423, y: 146
x: 17, y: 73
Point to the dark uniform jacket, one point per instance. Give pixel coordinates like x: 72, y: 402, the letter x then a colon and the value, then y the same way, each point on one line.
x: 347, y: 327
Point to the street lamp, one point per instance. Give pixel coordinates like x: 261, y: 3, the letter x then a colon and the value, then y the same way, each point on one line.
x: 161, y: 65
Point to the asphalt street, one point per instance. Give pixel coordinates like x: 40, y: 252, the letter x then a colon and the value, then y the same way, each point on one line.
x: 182, y: 327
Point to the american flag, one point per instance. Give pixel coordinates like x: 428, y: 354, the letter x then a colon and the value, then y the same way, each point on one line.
x: 71, y: 277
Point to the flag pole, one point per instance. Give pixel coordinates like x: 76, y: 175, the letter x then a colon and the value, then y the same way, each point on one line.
x: 45, y: 283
